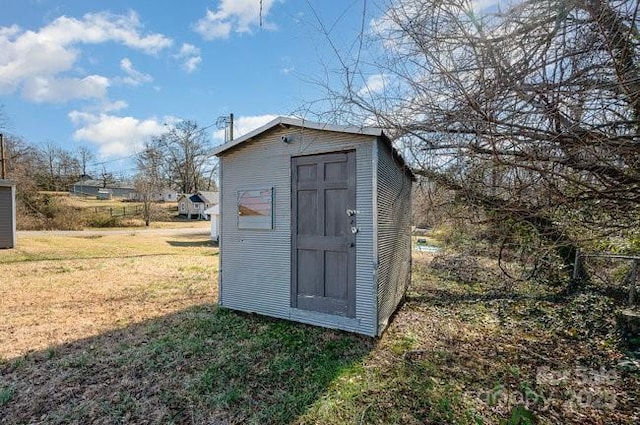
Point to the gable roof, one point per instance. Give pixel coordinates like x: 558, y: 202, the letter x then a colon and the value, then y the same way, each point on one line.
x: 297, y: 122
x: 210, y: 197
x: 196, y: 198
x: 100, y: 184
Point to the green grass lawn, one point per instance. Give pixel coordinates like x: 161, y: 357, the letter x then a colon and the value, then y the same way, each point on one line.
x: 458, y: 351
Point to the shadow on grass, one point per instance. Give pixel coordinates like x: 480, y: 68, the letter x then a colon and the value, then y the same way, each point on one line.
x: 200, y: 365
x: 192, y: 244
x: 38, y: 258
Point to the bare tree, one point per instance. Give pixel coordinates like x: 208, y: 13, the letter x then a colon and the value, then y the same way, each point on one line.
x: 60, y: 168
x: 185, y: 149
x: 148, y: 181
x: 530, y: 114
x: 84, y: 156
x: 22, y: 160
x: 107, y: 178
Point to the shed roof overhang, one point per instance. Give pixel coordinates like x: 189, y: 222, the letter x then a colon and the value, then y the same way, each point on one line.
x: 287, y: 122
x: 6, y: 183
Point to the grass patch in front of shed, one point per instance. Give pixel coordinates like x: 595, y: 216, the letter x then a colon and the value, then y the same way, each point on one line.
x: 454, y: 353
x: 200, y: 365
x: 270, y: 371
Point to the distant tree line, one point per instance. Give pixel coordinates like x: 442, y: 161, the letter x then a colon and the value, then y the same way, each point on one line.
x: 47, y: 168
x: 178, y: 160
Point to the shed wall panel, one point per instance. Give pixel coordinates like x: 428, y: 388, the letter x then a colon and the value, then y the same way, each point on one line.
x: 7, y: 217
x: 255, y: 273
x: 394, y: 233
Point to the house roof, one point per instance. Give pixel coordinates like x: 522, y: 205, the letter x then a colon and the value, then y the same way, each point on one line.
x: 287, y: 122
x: 196, y: 198
x: 201, y: 196
x: 100, y: 184
x: 210, y: 197
x: 6, y: 183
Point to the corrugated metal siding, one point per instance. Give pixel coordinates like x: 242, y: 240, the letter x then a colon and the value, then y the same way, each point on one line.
x: 7, y: 225
x: 255, y: 271
x: 394, y: 234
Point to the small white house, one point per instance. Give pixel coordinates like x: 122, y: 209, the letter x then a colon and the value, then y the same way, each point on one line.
x: 194, y: 205
x: 168, y: 195
x: 162, y: 195
x: 214, y: 215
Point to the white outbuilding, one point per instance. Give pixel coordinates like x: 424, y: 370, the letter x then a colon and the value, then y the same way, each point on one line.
x: 214, y: 215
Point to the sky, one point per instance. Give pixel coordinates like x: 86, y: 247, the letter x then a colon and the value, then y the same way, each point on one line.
x: 108, y: 75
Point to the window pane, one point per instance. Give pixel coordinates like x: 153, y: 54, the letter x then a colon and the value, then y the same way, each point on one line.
x: 255, y: 209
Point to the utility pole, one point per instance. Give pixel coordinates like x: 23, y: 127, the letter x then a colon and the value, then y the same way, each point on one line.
x: 3, y: 175
x: 227, y: 124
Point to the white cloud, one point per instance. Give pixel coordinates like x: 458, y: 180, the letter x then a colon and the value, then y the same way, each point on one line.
x: 103, y: 106
x: 375, y: 84
x: 133, y: 77
x: 238, y: 16
x: 101, y: 27
x: 34, y: 59
x: 190, y: 57
x: 115, y: 135
x: 45, y: 89
x: 243, y: 125
x: 113, y: 106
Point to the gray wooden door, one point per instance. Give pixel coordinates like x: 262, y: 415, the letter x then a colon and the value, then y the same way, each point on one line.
x: 323, y: 243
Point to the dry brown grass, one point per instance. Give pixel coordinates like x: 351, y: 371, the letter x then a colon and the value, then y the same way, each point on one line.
x: 59, y: 289
x: 122, y: 329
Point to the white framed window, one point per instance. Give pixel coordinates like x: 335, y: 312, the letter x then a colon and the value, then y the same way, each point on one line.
x: 255, y: 209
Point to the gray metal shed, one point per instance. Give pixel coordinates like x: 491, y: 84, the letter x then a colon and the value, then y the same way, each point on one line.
x: 7, y: 214
x: 315, y: 225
